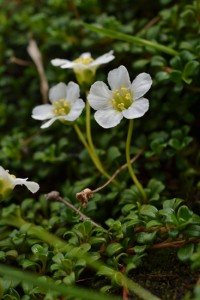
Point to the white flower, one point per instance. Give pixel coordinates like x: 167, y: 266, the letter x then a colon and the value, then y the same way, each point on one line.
x: 8, y: 182
x: 125, y: 99
x: 84, y: 66
x: 83, y: 62
x: 66, y: 104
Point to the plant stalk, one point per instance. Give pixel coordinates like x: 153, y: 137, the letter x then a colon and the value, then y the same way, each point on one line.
x: 128, y: 159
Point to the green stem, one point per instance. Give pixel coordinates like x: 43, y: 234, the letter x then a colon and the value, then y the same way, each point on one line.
x: 90, y: 141
x: 92, y: 154
x: 131, y: 39
x: 133, y: 176
x: 50, y: 285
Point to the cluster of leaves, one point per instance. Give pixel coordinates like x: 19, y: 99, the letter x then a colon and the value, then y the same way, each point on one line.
x: 55, y: 159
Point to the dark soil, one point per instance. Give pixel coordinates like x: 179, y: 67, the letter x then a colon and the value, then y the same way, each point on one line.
x: 164, y: 275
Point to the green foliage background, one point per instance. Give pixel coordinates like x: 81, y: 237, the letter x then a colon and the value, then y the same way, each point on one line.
x: 55, y: 158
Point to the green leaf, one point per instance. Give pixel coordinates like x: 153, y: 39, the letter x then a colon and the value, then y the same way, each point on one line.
x: 39, y: 250
x: 187, y: 55
x: 27, y: 264
x: 192, y: 231
x: 146, y: 237
x: 184, y: 214
x: 158, y: 61
x: 140, y: 63
x: 189, y: 71
x: 173, y: 232
x: 176, y: 62
x: 127, y: 208
x: 2, y: 255
x: 148, y: 210
x: 156, y: 187
x: 113, y: 153
x: 130, y: 266
x: 140, y: 249
x: 175, y: 144
x: 12, y: 294
x: 97, y: 240
x: 70, y: 279
x: 184, y: 253
x: 172, y: 203
x: 113, y: 248
x: 153, y: 223
x: 176, y: 76
x: 160, y: 76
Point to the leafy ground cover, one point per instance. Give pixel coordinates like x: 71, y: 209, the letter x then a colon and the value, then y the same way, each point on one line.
x: 117, y: 214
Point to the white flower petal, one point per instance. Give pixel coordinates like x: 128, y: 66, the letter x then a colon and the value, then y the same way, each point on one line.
x: 141, y: 85
x: 73, y: 91
x: 103, y: 59
x: 69, y: 65
x: 59, y: 91
x: 100, y: 96
x: 49, y: 123
x: 118, y: 78
x: 43, y: 112
x: 32, y: 186
x: 75, y: 111
x: 57, y: 62
x: 137, y: 109
x: 108, y: 118
x: 85, y: 55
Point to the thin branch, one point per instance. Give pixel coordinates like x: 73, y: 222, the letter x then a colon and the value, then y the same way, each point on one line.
x: 36, y: 56
x: 150, y: 24
x: 175, y: 244
x: 87, y: 193
x: 54, y: 195
x: 18, y: 61
x: 172, y: 244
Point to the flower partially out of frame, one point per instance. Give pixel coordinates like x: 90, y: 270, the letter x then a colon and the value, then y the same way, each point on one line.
x: 84, y: 66
x: 125, y: 99
x: 9, y: 181
x: 65, y: 104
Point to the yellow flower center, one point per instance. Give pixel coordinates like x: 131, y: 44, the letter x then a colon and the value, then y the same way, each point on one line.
x: 62, y: 107
x: 122, y: 99
x: 84, y: 60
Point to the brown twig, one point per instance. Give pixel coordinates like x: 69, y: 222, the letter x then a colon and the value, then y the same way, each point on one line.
x: 124, y: 288
x: 175, y: 244
x: 85, y: 195
x: 172, y: 244
x: 150, y: 24
x: 74, y: 9
x: 118, y: 171
x: 55, y: 195
x: 18, y: 61
x: 151, y: 229
x: 36, y: 56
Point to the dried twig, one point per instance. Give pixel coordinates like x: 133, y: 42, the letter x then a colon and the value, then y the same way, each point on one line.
x: 19, y: 61
x: 36, y: 56
x: 85, y: 195
x: 55, y: 195
x: 150, y: 24
x: 118, y: 171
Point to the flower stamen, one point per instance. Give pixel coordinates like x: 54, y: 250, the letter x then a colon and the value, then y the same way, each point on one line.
x: 62, y: 107
x: 84, y: 60
x: 122, y: 98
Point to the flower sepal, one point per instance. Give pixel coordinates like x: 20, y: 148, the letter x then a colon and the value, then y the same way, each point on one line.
x: 85, y: 78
